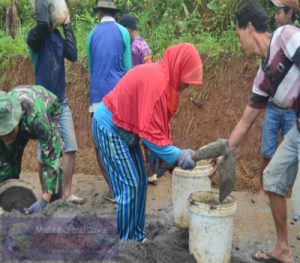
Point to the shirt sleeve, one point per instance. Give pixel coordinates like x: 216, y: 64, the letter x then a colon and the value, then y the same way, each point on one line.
x: 146, y: 52
x: 127, y: 48
x: 89, y: 58
x: 37, y: 34
x: 290, y: 43
x: 70, y: 48
x: 45, y: 125
x: 167, y: 153
x: 259, y: 98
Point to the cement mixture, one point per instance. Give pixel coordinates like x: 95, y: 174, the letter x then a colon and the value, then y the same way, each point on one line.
x: 253, y: 227
x: 16, y: 198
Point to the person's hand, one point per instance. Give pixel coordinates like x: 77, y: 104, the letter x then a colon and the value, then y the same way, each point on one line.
x: 36, y: 207
x: 185, y: 160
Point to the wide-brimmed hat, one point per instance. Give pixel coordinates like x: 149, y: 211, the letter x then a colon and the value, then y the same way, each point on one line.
x: 293, y: 4
x: 108, y: 4
x: 10, y: 113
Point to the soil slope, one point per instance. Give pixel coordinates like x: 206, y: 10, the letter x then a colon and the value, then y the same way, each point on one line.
x: 203, y: 116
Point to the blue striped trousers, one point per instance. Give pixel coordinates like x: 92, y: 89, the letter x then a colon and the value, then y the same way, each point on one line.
x: 124, y: 166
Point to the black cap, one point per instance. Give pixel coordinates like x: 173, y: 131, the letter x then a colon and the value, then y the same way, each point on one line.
x: 128, y: 21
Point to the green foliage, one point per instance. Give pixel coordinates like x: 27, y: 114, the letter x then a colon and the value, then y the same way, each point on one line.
x: 208, y: 24
x: 26, y: 12
x: 4, y: 3
x: 10, y: 47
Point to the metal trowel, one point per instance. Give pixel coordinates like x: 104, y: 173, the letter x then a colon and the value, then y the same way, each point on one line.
x: 226, y: 168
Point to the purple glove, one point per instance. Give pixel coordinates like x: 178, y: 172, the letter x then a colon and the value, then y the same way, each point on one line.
x: 185, y: 160
x: 36, y: 207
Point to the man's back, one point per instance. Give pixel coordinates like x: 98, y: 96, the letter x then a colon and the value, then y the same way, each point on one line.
x: 48, y: 62
x: 109, y: 57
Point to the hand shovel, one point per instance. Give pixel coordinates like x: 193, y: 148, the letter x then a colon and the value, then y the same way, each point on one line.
x: 226, y: 168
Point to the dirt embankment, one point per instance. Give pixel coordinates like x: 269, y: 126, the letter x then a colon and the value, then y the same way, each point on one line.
x: 201, y: 117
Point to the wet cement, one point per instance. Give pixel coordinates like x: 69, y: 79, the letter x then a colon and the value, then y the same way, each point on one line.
x: 17, y: 198
x: 253, y: 225
x: 165, y: 244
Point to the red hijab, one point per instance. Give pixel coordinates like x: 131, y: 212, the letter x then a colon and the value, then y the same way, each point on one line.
x: 146, y: 98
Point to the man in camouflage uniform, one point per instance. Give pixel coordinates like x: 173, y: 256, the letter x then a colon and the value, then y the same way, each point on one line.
x: 31, y: 112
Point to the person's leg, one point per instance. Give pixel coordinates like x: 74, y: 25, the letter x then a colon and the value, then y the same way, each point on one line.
x: 109, y: 196
x: 102, y: 169
x: 278, y: 177
x: 263, y: 164
x: 68, y: 163
x: 269, y: 140
x: 151, y: 174
x: 70, y: 147
x: 279, y: 212
x: 289, y: 120
x: 124, y: 179
x: 137, y: 157
x: 295, y: 200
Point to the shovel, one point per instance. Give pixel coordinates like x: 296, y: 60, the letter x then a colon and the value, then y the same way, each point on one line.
x: 226, y: 168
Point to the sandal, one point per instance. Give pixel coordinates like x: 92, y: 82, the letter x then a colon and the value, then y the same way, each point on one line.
x: 266, y: 257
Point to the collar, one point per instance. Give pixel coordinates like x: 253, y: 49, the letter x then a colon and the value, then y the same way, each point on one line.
x: 107, y: 19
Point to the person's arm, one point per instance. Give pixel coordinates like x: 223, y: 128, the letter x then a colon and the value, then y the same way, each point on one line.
x: 37, y: 34
x: 127, y: 48
x: 168, y: 153
x: 70, y: 49
x: 45, y: 126
x: 172, y: 155
x: 48, y: 134
x: 242, y: 128
x: 146, y: 53
x: 89, y: 57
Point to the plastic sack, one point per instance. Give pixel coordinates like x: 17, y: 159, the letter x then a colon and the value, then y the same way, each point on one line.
x: 57, y: 9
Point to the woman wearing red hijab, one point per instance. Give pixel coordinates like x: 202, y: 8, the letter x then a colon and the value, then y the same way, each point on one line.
x: 140, y: 107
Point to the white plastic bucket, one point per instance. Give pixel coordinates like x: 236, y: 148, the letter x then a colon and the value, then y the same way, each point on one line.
x: 185, y: 182
x: 57, y: 9
x: 211, y: 227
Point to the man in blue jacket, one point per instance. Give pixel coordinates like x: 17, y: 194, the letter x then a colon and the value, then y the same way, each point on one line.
x: 48, y: 50
x: 109, y: 58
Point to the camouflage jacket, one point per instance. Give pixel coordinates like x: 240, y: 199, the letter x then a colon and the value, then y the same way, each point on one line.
x: 39, y: 121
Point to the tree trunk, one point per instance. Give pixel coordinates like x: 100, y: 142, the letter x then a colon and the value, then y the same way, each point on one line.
x: 11, y: 22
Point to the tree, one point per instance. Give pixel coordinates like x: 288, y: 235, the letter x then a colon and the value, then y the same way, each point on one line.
x: 11, y: 21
